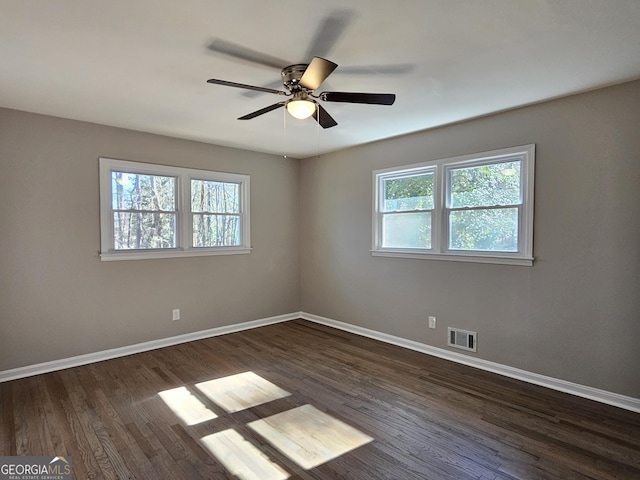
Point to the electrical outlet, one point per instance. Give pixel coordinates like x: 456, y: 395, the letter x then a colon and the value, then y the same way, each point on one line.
x: 176, y: 314
x: 432, y: 322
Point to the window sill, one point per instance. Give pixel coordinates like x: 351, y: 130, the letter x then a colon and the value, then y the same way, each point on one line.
x: 144, y: 255
x: 495, y: 259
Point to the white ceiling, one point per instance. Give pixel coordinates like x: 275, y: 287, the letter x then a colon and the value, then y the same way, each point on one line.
x: 143, y: 64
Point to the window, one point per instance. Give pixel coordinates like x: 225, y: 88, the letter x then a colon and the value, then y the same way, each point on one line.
x: 154, y: 211
x: 471, y: 208
x: 407, y: 212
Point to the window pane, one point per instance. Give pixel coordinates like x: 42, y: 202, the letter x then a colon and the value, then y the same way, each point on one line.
x: 485, y: 185
x: 414, y: 192
x: 215, y: 197
x: 406, y: 230
x: 131, y: 191
x: 487, y: 230
x: 216, y: 230
x: 143, y: 230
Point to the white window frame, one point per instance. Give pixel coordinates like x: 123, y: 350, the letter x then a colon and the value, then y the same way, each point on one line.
x: 184, y: 218
x: 440, y: 221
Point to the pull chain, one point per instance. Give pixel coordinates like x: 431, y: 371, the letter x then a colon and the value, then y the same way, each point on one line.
x: 284, y: 122
x: 318, y: 132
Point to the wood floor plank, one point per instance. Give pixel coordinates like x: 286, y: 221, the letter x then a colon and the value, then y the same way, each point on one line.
x: 40, y: 436
x: 429, y: 418
x: 8, y: 431
x: 67, y: 436
x: 23, y: 421
x: 96, y: 461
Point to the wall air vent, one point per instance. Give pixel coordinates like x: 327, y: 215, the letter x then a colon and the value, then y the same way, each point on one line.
x: 463, y: 339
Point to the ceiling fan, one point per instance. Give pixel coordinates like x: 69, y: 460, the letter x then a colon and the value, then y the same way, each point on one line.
x: 300, y: 82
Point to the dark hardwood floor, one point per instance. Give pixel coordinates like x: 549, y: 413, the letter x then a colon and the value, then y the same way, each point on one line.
x: 352, y: 408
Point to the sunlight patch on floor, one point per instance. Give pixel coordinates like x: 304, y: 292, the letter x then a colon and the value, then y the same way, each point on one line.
x: 308, y: 436
x: 186, y: 406
x: 241, y: 458
x: 239, y: 392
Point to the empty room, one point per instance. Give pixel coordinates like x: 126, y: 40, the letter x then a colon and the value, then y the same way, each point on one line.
x: 351, y: 239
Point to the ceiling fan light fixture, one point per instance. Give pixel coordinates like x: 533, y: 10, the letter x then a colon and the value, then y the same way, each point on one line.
x: 301, y: 109
x: 300, y: 81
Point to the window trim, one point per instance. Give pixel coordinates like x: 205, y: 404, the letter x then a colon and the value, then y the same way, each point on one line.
x: 440, y: 221
x: 184, y: 228
x: 425, y: 170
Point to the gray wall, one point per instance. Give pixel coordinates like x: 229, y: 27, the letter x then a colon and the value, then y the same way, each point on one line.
x: 574, y: 315
x: 57, y: 299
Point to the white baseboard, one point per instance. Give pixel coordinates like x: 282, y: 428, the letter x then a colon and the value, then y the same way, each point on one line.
x: 76, y: 361
x: 603, y: 396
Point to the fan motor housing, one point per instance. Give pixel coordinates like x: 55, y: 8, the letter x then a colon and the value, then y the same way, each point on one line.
x: 292, y: 74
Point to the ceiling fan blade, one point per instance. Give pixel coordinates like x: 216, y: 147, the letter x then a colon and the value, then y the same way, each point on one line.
x: 328, y: 33
x: 248, y: 87
x: 244, y: 53
x: 349, y: 97
x: 262, y: 111
x: 316, y: 73
x: 323, y: 118
x: 253, y: 94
